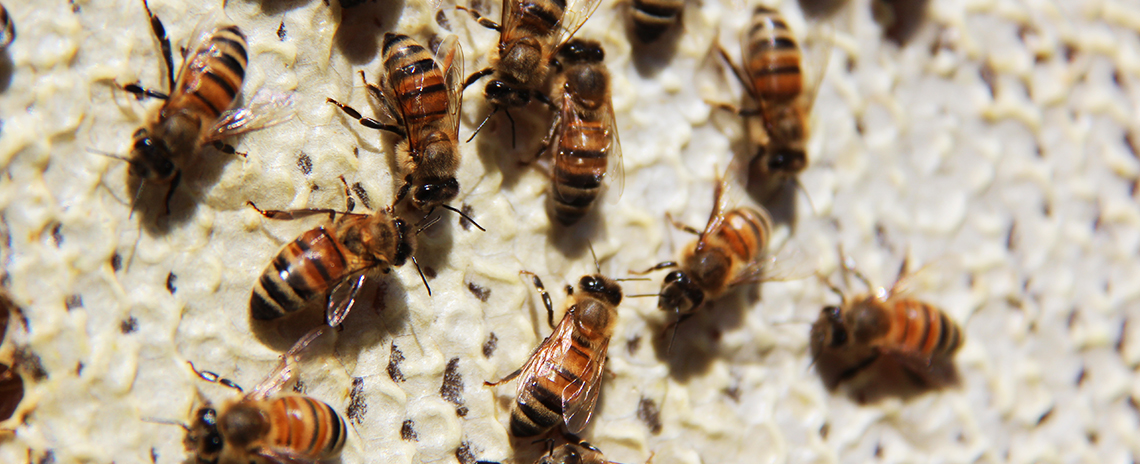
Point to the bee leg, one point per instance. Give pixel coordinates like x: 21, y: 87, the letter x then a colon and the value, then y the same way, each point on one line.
x: 545, y: 296
x: 541, y: 97
x: 658, y: 267
x: 512, y: 120
x: 680, y: 225
x: 735, y: 70
x: 164, y: 42
x: 478, y: 17
x: 404, y: 189
x: 503, y: 380
x: 214, y: 378
x: 141, y: 92
x: 170, y: 191
x: 555, y: 125
x: 474, y: 77
x: 289, y: 215
x: 368, y: 122
x: 228, y: 149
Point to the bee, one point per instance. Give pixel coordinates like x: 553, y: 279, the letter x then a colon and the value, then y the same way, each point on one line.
x: 561, y: 381
x: 8, y: 34
x: 11, y: 383
x: 579, y: 452
x: 586, y: 132
x: 730, y: 251
x: 773, y: 76
x: 422, y: 94
x: 264, y: 425
x: 875, y: 338
x: 651, y: 18
x: 328, y: 260
x: 530, y: 33
x: 197, y: 112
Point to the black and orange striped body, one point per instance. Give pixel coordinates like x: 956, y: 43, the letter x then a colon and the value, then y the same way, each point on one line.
x: 306, y: 426
x: 587, y: 136
x: 7, y: 28
x: 307, y: 269
x: 885, y: 347
x: 303, y: 272
x: 561, y: 381
x: 651, y: 18
x: 729, y: 252
x: 919, y: 328
x: 530, y: 33
x: 772, y: 58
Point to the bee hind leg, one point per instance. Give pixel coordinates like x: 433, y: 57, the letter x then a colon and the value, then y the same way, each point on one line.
x: 478, y: 17
x: 228, y: 149
x: 680, y: 225
x: 141, y: 92
x: 545, y: 296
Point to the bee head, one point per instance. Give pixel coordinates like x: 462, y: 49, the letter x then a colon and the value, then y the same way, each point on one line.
x: 601, y: 287
x: 501, y: 94
x: 434, y: 192
x: 405, y: 243
x: 829, y: 331
x: 202, y: 436
x: 243, y: 424
x: 150, y: 158
x: 680, y: 294
x: 787, y: 160
x: 581, y: 51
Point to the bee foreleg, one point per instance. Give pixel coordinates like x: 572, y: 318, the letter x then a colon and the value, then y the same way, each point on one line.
x: 476, y: 76
x: 478, y: 17
x: 545, y: 296
x: 141, y: 92
x: 164, y: 42
x: 735, y: 70
x: 369, y: 122
x: 297, y: 213
x: 658, y: 267
x: 170, y: 191
x: 549, y: 139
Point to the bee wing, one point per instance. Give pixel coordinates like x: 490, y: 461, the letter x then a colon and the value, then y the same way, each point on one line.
x: 284, y: 455
x: 340, y: 303
x: 549, y: 353
x: 580, y: 396
x: 266, y: 108
x: 574, y: 16
x: 285, y: 370
x: 817, y: 56
x: 615, y: 169
x: 720, y: 203
x: 450, y: 57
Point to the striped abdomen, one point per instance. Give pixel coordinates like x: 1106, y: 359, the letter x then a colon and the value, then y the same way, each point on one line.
x: 537, y: 18
x: 922, y: 329
x: 745, y: 232
x: 211, y: 77
x: 302, y: 272
x: 579, y: 168
x: 419, y: 84
x: 652, y: 17
x: 772, y: 57
x: 9, y: 28
x: 306, y: 426
x: 538, y: 407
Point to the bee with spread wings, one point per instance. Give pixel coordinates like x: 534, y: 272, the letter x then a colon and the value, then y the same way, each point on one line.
x: 198, y: 112
x: 530, y: 34
x: 561, y: 381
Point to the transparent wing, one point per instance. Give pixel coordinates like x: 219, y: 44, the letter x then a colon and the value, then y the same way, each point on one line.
x: 342, y: 299
x: 574, y: 16
x: 934, y: 373
x: 511, y: 16
x: 286, y: 369
x: 266, y: 108
x: 615, y: 169
x: 580, y: 396
x: 199, y: 37
x: 817, y: 56
x: 450, y: 57
x: 716, y: 217
x: 572, y: 124
x: 549, y: 353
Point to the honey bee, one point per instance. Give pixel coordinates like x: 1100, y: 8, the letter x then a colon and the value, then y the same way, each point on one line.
x: 264, y: 425
x: 197, y: 111
x: 579, y: 452
x: 651, y: 18
x: 875, y: 340
x: 586, y: 132
x: 773, y: 75
x: 328, y: 260
x: 8, y: 34
x: 561, y: 381
x: 530, y: 33
x: 11, y: 383
x: 422, y: 94
x: 730, y: 251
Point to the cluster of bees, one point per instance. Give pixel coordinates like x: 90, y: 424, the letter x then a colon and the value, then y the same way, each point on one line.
x: 865, y: 341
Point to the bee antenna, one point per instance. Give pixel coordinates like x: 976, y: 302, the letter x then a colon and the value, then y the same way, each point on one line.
x: 477, y: 129
x: 799, y: 185
x: 595, y: 255
x: 641, y: 295
x: 468, y: 218
x: 426, y: 223
x: 627, y: 279
x: 110, y: 155
x: 159, y: 420
x: 215, y: 378
x: 674, y: 337
x: 422, y: 277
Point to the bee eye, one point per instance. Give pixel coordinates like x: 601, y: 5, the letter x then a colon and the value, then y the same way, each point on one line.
x: 213, y: 443
x: 777, y: 161
x: 838, y: 336
x: 674, y: 276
